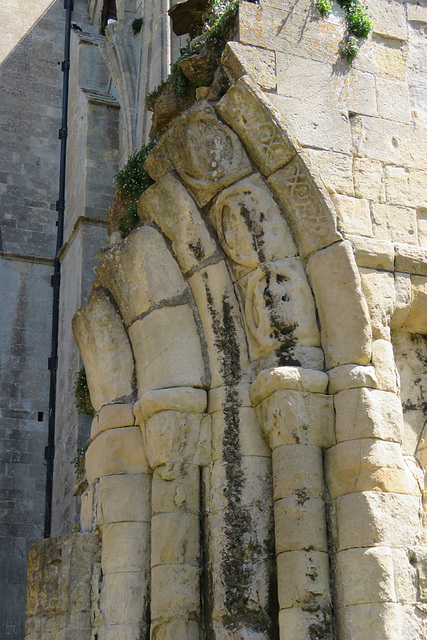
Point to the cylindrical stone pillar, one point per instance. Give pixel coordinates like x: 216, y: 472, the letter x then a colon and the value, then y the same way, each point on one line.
x: 297, y: 419
x: 116, y: 457
x: 376, y: 499
x: 177, y: 442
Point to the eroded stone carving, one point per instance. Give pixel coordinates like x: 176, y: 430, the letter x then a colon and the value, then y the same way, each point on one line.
x: 250, y: 226
x: 279, y: 309
x: 259, y: 126
x: 308, y: 210
x: 207, y: 154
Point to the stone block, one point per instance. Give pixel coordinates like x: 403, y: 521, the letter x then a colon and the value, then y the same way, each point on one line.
x: 368, y: 413
x: 174, y: 591
x: 260, y: 64
x: 378, y: 287
x: 115, y: 608
x: 124, y: 498
x: 303, y: 578
x: 297, y: 470
x: 280, y: 378
x: 172, y: 207
x: 183, y: 399
x: 306, y: 206
x: 120, y: 632
x: 116, y: 415
x: 125, y: 547
x: 301, y: 622
x: 105, y: 350
x: 385, y: 367
x: 387, y: 141
x: 373, y: 253
x: 253, y: 475
x: 258, y: 25
x: 251, y: 438
x: 259, y: 125
x: 179, y: 628
x: 373, y: 518
x: 365, y: 576
x: 368, y: 465
x: 343, y: 312
x: 367, y: 175
x: 376, y: 621
x: 353, y: 214
x: 175, y: 438
x: 167, y: 349
x: 221, y: 319
x: 320, y: 127
x: 297, y: 417
x: 320, y: 91
x: 350, y: 376
x: 115, y: 451
x: 403, y: 288
x: 175, y: 539
x: 140, y: 273
x: 335, y: 170
x: 86, y: 509
x: 410, y: 259
x: 394, y: 223
x: 181, y: 494
x: 218, y: 397
x: 300, y: 524
x: 388, y: 19
x: 416, y: 322
x: 393, y: 100
x: 207, y: 154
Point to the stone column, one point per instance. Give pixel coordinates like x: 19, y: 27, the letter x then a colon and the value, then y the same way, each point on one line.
x: 297, y: 419
x: 177, y: 443
x: 376, y: 501
x: 116, y: 463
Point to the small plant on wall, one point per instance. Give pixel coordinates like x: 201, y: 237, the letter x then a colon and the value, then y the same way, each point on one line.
x: 132, y: 180
x: 81, y: 394
x: 358, y: 23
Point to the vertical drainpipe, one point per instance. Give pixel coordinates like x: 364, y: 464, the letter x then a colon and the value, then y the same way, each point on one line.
x: 56, y: 278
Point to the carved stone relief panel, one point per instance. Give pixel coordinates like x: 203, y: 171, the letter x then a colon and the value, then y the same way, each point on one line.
x: 205, y: 152
x: 250, y: 227
x: 244, y: 108
x: 279, y: 308
x: 307, y: 208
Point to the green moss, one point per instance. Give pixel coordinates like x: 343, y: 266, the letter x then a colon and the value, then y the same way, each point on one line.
x: 81, y: 394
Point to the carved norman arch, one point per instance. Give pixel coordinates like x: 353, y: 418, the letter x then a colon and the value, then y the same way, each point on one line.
x: 244, y: 340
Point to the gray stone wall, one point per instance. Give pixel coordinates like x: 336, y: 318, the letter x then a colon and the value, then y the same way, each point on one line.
x: 31, y: 51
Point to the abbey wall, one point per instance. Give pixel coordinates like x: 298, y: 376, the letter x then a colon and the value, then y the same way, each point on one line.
x: 255, y: 347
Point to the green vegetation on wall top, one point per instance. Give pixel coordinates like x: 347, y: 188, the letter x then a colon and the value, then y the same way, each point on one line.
x: 132, y: 180
x: 358, y: 22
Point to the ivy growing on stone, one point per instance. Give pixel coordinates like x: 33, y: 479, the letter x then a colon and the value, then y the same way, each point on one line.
x: 131, y: 181
x: 81, y: 394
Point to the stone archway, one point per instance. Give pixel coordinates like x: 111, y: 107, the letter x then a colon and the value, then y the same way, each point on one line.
x: 240, y: 402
